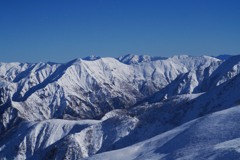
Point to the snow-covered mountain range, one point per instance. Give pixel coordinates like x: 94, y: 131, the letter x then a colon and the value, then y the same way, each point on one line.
x: 131, y: 107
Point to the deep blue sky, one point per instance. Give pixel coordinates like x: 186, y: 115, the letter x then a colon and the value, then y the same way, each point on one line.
x: 61, y: 30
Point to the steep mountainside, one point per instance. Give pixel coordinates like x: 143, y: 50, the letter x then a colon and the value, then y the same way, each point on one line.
x: 139, y: 106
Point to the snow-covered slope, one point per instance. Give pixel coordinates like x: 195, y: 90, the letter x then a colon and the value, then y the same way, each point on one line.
x: 89, y: 106
x: 28, y: 138
x: 88, y: 89
x: 215, y: 136
x: 227, y: 70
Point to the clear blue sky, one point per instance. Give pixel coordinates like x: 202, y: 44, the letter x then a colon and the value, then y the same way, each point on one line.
x: 61, y: 30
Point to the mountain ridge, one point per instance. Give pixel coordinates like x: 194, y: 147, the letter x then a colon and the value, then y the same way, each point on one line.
x: 121, y: 101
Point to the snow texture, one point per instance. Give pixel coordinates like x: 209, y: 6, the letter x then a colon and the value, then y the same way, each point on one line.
x: 131, y: 107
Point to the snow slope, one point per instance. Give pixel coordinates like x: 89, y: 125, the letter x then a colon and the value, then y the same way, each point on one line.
x: 215, y: 136
x: 82, y: 89
x: 132, y: 107
x: 25, y: 141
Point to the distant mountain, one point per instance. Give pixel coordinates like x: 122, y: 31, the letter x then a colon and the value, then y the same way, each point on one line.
x: 131, y: 107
